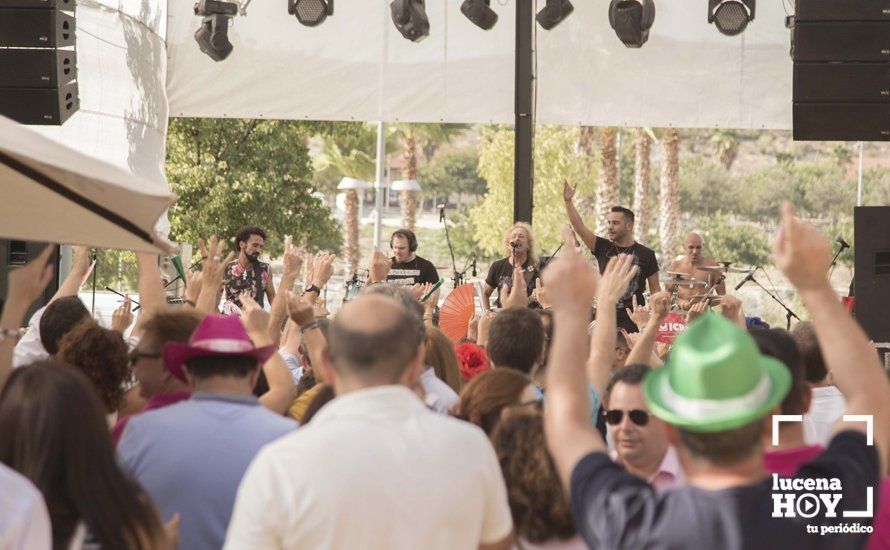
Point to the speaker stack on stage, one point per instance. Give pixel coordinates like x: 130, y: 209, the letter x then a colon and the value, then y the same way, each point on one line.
x: 38, y: 62
x: 841, y: 53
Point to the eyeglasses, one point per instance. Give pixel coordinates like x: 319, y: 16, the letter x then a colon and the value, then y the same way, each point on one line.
x: 134, y: 356
x: 637, y: 416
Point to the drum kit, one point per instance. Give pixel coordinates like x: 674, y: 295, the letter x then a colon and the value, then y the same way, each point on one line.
x: 716, y: 275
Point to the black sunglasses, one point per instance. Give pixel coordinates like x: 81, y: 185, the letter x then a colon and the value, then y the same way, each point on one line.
x: 638, y: 417
x: 134, y: 356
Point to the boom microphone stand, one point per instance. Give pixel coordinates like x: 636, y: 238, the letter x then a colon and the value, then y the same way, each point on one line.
x: 457, y: 277
x: 788, y: 313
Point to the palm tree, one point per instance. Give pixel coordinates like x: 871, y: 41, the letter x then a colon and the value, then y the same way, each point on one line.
x: 607, y: 188
x: 642, y: 151
x: 428, y: 137
x: 726, y: 146
x: 670, y: 195
x: 587, y: 149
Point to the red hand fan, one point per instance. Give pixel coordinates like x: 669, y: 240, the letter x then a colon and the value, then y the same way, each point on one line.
x: 454, y: 317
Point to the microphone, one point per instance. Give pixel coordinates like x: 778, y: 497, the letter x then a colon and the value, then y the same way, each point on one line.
x: 474, y: 265
x: 748, y: 277
x: 840, y: 240
x: 441, y: 208
x: 514, y: 246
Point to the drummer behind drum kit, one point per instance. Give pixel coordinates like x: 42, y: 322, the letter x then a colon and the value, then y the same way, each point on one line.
x: 678, y: 280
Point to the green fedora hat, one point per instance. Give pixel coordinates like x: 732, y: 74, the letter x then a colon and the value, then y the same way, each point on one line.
x: 715, y: 379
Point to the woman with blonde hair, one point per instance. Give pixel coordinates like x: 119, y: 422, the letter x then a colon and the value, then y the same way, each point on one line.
x: 520, y: 248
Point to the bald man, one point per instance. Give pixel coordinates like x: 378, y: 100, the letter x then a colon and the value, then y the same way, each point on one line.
x: 691, y: 265
x: 376, y: 443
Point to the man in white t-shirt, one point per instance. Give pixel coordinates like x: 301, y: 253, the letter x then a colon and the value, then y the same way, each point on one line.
x: 24, y: 521
x: 375, y: 468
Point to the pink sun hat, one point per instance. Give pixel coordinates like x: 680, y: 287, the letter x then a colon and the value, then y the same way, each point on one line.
x: 216, y: 336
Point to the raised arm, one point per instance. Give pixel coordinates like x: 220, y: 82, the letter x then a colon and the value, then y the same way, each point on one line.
x: 281, y: 383
x: 151, y: 292
x: 302, y: 313
x: 587, y: 236
x: 803, y: 254
x: 643, y: 351
x: 293, y: 263
x: 213, y: 270
x: 24, y: 285
x: 571, y: 283
x: 618, y: 274
x: 80, y: 266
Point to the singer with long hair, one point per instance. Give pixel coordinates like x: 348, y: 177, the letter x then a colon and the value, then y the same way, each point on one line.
x: 520, y: 249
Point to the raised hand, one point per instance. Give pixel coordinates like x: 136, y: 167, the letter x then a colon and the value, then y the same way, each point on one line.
x: 571, y: 281
x: 801, y: 251
x: 379, y: 266
x: 27, y: 283
x: 193, y: 289
x: 322, y: 269
x: 568, y: 192
x: 214, y: 266
x: 419, y: 290
x: 696, y: 310
x: 122, y: 316
x: 616, y: 278
x: 516, y: 296
x: 540, y: 294
x: 299, y: 309
x: 731, y: 308
x: 293, y: 259
x: 484, y: 327
x: 638, y: 314
x: 660, y: 305
x: 255, y: 320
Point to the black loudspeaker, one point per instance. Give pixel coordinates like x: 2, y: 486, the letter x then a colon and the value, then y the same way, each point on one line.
x: 67, y: 5
x: 871, y: 252
x: 36, y: 68
x: 39, y: 105
x: 31, y: 28
x: 841, y: 70
x: 18, y: 253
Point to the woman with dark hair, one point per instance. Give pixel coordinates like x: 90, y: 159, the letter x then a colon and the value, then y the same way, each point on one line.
x: 101, y: 355
x: 539, y: 506
x: 441, y: 356
x: 493, y: 394
x: 53, y: 431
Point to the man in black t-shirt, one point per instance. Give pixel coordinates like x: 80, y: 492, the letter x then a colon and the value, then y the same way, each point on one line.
x: 407, y: 267
x: 620, y: 241
x: 519, y: 244
x: 718, y: 395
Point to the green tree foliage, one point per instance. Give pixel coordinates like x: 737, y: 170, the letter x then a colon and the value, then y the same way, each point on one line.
x: 733, y: 240
x: 228, y: 173
x: 555, y: 159
x: 452, y: 172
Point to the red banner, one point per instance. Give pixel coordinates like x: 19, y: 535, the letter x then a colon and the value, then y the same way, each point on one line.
x: 672, y: 326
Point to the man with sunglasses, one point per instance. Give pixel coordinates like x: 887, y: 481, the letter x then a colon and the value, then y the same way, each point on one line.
x: 639, y: 439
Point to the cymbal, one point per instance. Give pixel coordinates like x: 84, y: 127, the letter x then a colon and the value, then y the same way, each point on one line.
x: 712, y: 267
x: 682, y: 282
x: 679, y: 276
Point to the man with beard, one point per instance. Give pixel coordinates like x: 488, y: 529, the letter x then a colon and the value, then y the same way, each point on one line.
x: 620, y: 240
x: 692, y: 265
x: 407, y: 267
x: 247, y: 274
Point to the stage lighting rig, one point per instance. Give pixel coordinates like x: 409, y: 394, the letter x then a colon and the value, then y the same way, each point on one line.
x: 731, y: 16
x: 480, y: 13
x: 213, y: 36
x: 409, y: 17
x: 553, y: 13
x: 632, y: 20
x: 311, y: 12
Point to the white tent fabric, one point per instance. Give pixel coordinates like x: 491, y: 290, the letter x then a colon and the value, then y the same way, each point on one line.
x: 56, y: 194
x: 356, y: 66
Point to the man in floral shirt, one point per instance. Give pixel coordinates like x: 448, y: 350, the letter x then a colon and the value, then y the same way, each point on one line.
x: 247, y: 274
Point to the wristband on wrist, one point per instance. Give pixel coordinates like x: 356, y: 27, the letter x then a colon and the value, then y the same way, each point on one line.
x: 311, y: 288
x: 9, y: 333
x: 309, y: 326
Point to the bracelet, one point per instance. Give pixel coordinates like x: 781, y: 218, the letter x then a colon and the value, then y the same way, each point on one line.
x: 309, y: 326
x: 9, y: 333
x: 427, y: 316
x: 189, y: 302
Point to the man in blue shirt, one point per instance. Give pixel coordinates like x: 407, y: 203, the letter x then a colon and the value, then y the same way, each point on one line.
x: 191, y: 456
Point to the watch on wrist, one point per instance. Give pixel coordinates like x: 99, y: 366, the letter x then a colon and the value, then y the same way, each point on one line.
x: 312, y: 288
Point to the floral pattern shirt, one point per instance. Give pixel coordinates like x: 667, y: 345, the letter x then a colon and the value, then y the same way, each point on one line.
x: 238, y: 280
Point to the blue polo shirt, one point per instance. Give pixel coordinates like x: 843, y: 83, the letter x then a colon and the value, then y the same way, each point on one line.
x: 191, y: 456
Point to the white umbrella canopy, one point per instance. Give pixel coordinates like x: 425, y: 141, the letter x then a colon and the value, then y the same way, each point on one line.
x: 50, y: 192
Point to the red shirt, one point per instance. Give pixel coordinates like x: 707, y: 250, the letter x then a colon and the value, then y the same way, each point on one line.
x: 156, y: 402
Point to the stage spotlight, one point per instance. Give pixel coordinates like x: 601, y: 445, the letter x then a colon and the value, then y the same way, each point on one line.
x: 632, y: 20
x: 213, y: 36
x: 480, y: 13
x: 554, y: 12
x: 311, y: 12
x: 731, y: 16
x: 409, y: 16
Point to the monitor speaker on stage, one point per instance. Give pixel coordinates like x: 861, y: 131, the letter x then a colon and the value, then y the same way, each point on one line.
x: 841, y: 70
x: 38, y: 62
x: 18, y: 253
x: 871, y: 253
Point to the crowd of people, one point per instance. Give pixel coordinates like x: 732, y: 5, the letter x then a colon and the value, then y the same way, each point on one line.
x: 250, y: 417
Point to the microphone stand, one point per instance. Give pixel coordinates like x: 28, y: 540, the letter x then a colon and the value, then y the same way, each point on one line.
x: 95, y: 269
x: 840, y: 249
x: 788, y: 313
x: 457, y: 277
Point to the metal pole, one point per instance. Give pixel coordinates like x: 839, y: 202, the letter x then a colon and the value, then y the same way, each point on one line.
x: 524, y: 166
x: 379, y: 185
x: 859, y: 185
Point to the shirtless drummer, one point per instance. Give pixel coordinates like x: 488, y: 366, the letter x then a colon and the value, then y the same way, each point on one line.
x: 692, y: 264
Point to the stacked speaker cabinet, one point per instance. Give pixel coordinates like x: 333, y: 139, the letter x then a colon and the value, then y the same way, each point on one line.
x: 38, y: 61
x: 871, y: 225
x: 841, y: 53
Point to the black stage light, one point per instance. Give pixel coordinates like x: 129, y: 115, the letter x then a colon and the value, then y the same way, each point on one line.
x: 632, y: 20
x: 409, y: 16
x: 311, y: 12
x: 480, y: 13
x: 554, y: 12
x: 731, y: 16
x: 213, y: 36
